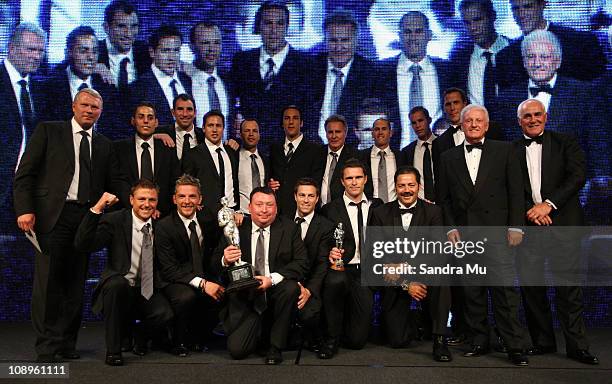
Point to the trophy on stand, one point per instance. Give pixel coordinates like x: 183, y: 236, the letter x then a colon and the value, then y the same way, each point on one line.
x: 241, y: 273
x: 339, y: 237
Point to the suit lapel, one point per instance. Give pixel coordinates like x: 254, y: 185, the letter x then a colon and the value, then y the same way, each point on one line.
x: 276, y: 234
x: 157, y: 156
x: 180, y: 227
x: 546, y: 159
x: 523, y: 160
x: 418, y: 218
x: 68, y: 142
x: 127, y: 231
x: 245, y: 243
x: 486, y: 161
x: 132, y: 159
x: 461, y: 170
x: 397, y: 216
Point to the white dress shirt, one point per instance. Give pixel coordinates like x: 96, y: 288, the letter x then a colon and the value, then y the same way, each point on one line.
x: 533, y: 154
x: 472, y: 160
x: 200, y: 95
x: 353, y: 216
x: 431, y: 94
x: 229, y: 180
x: 329, y: 90
x: 305, y: 224
x: 542, y: 96
x: 16, y: 77
x: 114, y: 62
x: 459, y: 136
x: 139, y: 141
x: 195, y: 282
x: 73, y: 190
x: 407, y: 217
x: 245, y: 178
x: 390, y: 163
x: 296, y: 143
x: 75, y: 82
x: 325, y: 198
x: 279, y: 60
x: 476, y: 72
x: 165, y: 80
x: 180, y: 139
x: 419, y: 151
x: 137, y: 237
x: 274, y: 276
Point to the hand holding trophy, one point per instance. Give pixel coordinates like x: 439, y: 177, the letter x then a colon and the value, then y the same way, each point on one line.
x: 338, y: 265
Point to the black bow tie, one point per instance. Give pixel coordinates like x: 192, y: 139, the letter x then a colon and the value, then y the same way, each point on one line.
x: 537, y: 139
x: 454, y: 129
x: 469, y: 147
x: 540, y: 88
x: 403, y: 211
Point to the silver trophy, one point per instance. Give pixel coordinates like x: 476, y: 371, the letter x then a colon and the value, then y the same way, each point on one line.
x: 339, y: 237
x: 240, y: 275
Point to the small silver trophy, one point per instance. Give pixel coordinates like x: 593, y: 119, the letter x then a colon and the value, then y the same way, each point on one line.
x: 240, y: 275
x: 339, y: 237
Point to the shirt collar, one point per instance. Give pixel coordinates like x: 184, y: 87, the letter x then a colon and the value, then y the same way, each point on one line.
x: 279, y: 58
x: 211, y: 146
x: 345, y: 70
x: 162, y: 77
x: 307, y: 218
x: 295, y: 142
x: 112, y: 51
x: 140, y: 140
x: 14, y: 74
x: 246, y: 153
x: 75, y: 81
x: 182, y: 132
x: 255, y: 228
x: 347, y: 199
x: 500, y: 43
x: 138, y: 224
x: 465, y: 142
x: 551, y: 82
x: 402, y: 206
x: 186, y: 221
x: 338, y: 152
x: 429, y: 140
x: 404, y: 63
x: 76, y: 127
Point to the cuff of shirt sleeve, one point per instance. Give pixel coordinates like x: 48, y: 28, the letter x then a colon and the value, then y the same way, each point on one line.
x: 516, y: 230
x: 276, y: 278
x: 195, y: 282
x: 551, y: 204
x: 452, y: 230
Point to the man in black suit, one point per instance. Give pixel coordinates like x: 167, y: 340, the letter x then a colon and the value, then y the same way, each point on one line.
x: 65, y: 167
x: 292, y: 159
x: 480, y: 184
x: 583, y: 57
x: 413, y: 77
x: 473, y: 60
x: 332, y: 157
x: 183, y: 134
x: 143, y: 157
x: 339, y: 79
x: 418, y: 153
x: 268, y: 78
x: 210, y: 86
x: 214, y: 164
x: 381, y: 162
x: 348, y: 304
x: 272, y: 244
x: 253, y: 167
x: 316, y: 232
x: 21, y: 101
x: 122, y: 59
x: 410, y: 211
x: 128, y: 285
x: 554, y: 172
x: 76, y: 73
x: 184, y: 243
x: 163, y: 81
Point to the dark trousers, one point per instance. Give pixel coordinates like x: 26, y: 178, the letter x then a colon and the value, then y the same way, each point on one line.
x: 122, y: 304
x: 347, y: 306
x: 195, y: 313
x: 245, y: 328
x: 396, y: 315
x: 59, y: 282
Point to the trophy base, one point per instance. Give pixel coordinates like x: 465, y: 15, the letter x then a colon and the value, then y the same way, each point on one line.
x: 242, y: 284
x: 338, y: 267
x: 241, y: 277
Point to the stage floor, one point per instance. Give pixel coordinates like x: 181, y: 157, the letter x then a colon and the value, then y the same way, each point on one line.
x: 375, y: 363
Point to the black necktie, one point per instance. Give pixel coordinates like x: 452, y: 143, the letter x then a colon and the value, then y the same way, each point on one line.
x: 123, y: 74
x: 146, y: 165
x: 186, y: 144
x: 359, y: 241
x: 269, y: 77
x: 541, y: 88
x: 299, y: 221
x: 489, y: 81
x: 537, y: 139
x: 221, y: 172
x: 84, y: 169
x: 146, y: 263
x: 213, y: 97
x: 196, y: 250
x: 289, y: 152
x: 27, y: 113
x: 173, y: 86
x: 403, y: 211
x: 255, y: 175
x: 83, y: 86
x: 469, y: 147
x: 427, y: 173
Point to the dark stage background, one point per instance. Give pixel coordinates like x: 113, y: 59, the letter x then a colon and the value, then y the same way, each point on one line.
x: 378, y: 40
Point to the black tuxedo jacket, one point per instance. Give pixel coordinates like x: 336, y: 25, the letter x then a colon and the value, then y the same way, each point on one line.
x: 365, y: 155
x: 173, y: 258
x: 170, y: 130
x: 114, y: 232
x: 142, y: 59
x: 336, y: 212
x: 583, y: 57
x: 563, y: 176
x: 147, y: 88
x: 358, y: 86
x: 10, y: 126
x: 318, y: 241
x: 47, y: 167
x: 305, y: 162
x: 288, y: 88
x: 286, y: 252
x: 497, y: 198
x: 199, y: 163
x: 389, y: 78
x: 166, y: 169
x: 336, y: 187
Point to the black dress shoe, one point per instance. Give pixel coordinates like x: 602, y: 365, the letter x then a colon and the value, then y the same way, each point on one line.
x: 583, y: 356
x: 49, y: 358
x: 328, y: 349
x: 140, y: 350
x: 180, y: 350
x: 440, y: 350
x: 518, y: 358
x: 114, y: 359
x: 453, y: 341
x: 198, y: 347
x: 274, y: 356
x: 69, y: 355
x: 476, y: 350
x: 501, y: 345
x: 540, y: 350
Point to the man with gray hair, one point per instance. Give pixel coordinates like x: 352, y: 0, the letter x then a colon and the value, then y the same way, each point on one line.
x: 66, y: 167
